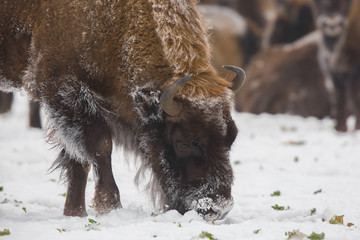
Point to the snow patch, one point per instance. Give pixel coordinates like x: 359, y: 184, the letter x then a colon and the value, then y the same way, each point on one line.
x: 262, y: 163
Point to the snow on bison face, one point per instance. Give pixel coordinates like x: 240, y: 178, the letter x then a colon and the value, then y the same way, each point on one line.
x: 198, y: 136
x: 186, y: 142
x: 197, y: 150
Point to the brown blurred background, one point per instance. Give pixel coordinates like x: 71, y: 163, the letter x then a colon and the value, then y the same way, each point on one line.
x: 301, y: 56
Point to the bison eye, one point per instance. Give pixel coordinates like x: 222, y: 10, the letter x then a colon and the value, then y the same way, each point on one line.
x: 182, y: 146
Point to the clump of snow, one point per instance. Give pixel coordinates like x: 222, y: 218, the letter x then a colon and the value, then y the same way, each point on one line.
x: 296, y: 156
x: 212, y: 210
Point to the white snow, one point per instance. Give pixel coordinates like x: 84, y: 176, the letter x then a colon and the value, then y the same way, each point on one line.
x: 294, y: 155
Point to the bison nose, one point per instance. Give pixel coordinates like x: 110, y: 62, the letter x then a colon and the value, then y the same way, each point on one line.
x: 212, y: 210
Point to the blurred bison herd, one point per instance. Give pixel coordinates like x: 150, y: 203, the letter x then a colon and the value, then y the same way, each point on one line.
x: 301, y: 57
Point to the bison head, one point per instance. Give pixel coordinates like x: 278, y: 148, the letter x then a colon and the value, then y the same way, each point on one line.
x: 195, y: 171
x: 332, y: 18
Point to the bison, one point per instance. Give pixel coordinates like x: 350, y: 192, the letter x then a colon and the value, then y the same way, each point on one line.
x: 339, y: 54
x: 287, y: 79
x: 136, y: 73
x: 292, y: 20
x: 233, y: 39
x: 251, y: 10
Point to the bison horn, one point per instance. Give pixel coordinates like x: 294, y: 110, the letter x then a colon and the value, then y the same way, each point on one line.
x: 167, y: 102
x: 238, y: 80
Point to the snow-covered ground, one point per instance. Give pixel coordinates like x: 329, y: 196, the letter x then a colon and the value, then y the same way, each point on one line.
x: 296, y: 156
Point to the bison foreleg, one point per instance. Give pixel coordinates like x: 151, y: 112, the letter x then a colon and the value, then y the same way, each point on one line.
x: 76, y: 174
x: 99, y: 145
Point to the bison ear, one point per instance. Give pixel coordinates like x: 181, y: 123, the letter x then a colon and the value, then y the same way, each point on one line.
x: 239, y: 78
x: 167, y: 102
x: 146, y: 102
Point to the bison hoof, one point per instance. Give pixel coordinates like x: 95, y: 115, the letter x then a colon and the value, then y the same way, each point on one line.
x: 357, y: 124
x: 75, y: 212
x: 341, y: 127
x: 104, y: 203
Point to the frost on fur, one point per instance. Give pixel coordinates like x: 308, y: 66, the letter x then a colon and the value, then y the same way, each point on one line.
x: 167, y: 187
x: 100, y: 81
x: 77, y: 105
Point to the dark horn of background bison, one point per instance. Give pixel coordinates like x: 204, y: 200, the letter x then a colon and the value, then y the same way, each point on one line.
x: 99, y: 69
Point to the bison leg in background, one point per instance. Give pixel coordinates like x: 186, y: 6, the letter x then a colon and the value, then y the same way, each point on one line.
x: 34, y: 114
x: 99, y: 145
x: 355, y: 96
x: 341, y: 102
x: 76, y: 174
x: 5, y: 101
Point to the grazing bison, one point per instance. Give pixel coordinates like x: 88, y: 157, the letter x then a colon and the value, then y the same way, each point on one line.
x: 339, y: 54
x: 286, y: 79
x: 253, y: 10
x: 292, y: 20
x: 229, y: 36
x: 134, y: 72
x: 235, y: 37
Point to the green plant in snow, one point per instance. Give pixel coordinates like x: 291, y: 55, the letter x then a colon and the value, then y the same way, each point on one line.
x: 313, y: 211
x: 280, y: 208
x: 207, y: 235
x: 92, y: 225
x: 318, y: 191
x: 337, y: 220
x: 295, y: 234
x: 275, y: 194
x: 5, y: 232
x: 316, y: 236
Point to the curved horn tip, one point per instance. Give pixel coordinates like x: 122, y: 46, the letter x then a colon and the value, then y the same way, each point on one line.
x: 238, y: 80
x: 238, y: 70
x: 185, y: 79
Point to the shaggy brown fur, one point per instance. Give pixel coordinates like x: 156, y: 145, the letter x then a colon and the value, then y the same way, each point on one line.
x: 99, y: 68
